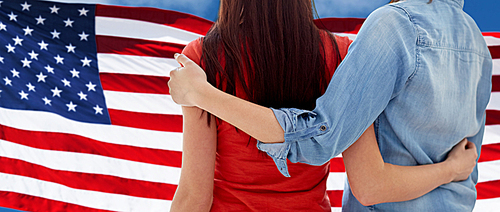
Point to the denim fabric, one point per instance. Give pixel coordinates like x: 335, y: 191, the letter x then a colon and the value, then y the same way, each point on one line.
x: 422, y: 74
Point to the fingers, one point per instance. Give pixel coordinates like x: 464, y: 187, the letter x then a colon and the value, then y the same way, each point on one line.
x: 182, y: 59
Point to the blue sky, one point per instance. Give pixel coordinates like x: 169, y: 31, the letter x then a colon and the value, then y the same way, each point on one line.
x: 485, y: 12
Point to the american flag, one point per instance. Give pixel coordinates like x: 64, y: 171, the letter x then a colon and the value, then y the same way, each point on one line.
x: 86, y: 120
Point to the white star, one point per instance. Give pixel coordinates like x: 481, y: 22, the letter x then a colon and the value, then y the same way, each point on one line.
x: 1, y: 3
x: 47, y: 101
x: 3, y: 26
x: 54, y: 9
x: 18, y: 40
x: 91, y: 86
x: 56, y: 92
x: 12, y: 16
x: 49, y: 69
x: 27, y: 31
x: 66, y: 83
x: 83, y: 36
x: 33, y: 55
x: 43, y: 45
x: 41, y: 77
x: 10, y: 48
x: 55, y: 34
x: 97, y: 109
x: 71, y: 48
x: 69, y: 22
x: 82, y: 96
x: 75, y: 73
x: 40, y: 20
x: 59, y: 59
x: 30, y: 87
x: 86, y: 62
x: 7, y: 81
x: 0, y: 92
x: 83, y: 11
x: 15, y: 73
x: 26, y: 6
x: 26, y: 62
x: 71, y: 106
x: 23, y: 95
x: 1, y: 59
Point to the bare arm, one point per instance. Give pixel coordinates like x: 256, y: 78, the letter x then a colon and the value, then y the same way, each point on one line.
x: 372, y: 181
x: 195, y: 190
x: 251, y: 118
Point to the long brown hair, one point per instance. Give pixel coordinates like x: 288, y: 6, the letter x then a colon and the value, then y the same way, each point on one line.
x: 272, y: 49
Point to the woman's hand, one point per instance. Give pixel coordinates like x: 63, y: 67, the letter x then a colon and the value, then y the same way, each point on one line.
x: 462, y: 159
x: 187, y: 82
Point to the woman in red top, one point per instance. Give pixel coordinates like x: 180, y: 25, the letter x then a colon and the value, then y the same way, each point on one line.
x: 271, y: 53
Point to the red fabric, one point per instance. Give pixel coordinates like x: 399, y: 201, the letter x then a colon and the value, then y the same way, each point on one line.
x: 246, y: 179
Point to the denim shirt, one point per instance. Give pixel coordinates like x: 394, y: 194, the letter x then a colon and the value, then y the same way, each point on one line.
x: 421, y: 72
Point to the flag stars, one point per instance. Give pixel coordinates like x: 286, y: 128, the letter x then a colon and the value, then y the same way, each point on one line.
x: 56, y: 92
x: 12, y: 17
x: 33, y: 55
x: 41, y: 77
x: 28, y: 31
x: 69, y: 23
x: 83, y: 36
x: 49, y: 69
x: 75, y: 73
x: 1, y: 59
x: 54, y: 9
x: 30, y: 87
x: 66, y: 82
x: 71, y: 106
x: 23, y: 95
x: 98, y: 110
x: 59, y: 59
x: 18, y: 41
x: 55, y: 34
x: 26, y: 6
x: 26, y: 63
x: 15, y: 73
x: 71, y: 48
x: 40, y: 20
x: 91, y: 86
x: 3, y: 27
x: 47, y: 101
x: 10, y: 48
x: 82, y: 96
x: 86, y: 62
x: 7, y: 81
x: 83, y: 11
x: 43, y: 45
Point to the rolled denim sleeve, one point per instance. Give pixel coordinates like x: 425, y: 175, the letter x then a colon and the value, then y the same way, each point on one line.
x: 380, y: 62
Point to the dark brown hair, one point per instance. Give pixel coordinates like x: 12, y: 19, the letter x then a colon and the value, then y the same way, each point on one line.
x: 272, y: 49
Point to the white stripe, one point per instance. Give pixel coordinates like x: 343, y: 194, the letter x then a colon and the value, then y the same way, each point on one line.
x: 336, y: 209
x: 494, y: 103
x: 50, y: 122
x: 491, y: 134
x: 488, y: 171
x: 129, y: 28
x: 492, y: 41
x: 131, y: 64
x: 496, y: 66
x: 143, y: 103
x: 336, y: 181
x: 487, y: 205
x: 88, y: 163
x: 351, y: 36
x: 92, y: 199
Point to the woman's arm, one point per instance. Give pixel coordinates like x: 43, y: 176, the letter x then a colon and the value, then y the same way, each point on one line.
x: 195, y: 190
x: 372, y: 181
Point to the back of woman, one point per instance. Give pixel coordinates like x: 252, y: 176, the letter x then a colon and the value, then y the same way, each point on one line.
x: 271, y: 53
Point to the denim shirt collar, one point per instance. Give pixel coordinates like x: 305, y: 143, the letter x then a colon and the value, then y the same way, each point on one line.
x: 459, y: 2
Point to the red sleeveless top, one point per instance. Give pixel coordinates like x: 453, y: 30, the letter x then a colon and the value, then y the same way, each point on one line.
x: 246, y: 179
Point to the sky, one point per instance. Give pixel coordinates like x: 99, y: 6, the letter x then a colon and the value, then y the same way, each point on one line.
x: 486, y: 13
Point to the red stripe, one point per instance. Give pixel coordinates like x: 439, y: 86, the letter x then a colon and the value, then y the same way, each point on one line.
x: 490, y: 152
x: 335, y: 197
x: 493, y: 34
x: 79, y: 144
x: 487, y: 190
x: 165, y: 17
x: 32, y: 203
x: 131, y: 46
x: 495, y: 51
x: 150, y: 121
x: 337, y: 165
x: 134, y: 83
x: 492, y: 117
x: 86, y: 181
x: 495, y: 83
x: 345, y: 25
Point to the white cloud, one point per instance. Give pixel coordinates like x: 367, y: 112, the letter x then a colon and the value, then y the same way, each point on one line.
x: 347, y: 8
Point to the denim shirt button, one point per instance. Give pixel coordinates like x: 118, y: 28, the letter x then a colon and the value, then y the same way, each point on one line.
x: 322, y: 128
